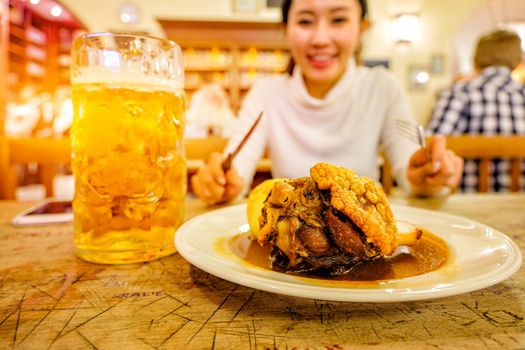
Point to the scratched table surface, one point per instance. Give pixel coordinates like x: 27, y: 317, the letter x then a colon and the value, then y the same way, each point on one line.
x: 50, y: 299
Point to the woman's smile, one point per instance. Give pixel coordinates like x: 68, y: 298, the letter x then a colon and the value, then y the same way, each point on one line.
x: 321, y: 61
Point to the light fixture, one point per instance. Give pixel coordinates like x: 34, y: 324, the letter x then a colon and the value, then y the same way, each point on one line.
x: 34, y: 2
x: 56, y: 11
x: 129, y: 13
x: 422, y: 77
x: 405, y: 28
x: 418, y: 77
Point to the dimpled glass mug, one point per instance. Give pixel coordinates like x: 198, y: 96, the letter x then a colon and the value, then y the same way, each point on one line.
x: 127, y: 142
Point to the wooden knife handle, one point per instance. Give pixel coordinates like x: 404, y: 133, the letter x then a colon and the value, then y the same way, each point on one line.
x: 227, y: 163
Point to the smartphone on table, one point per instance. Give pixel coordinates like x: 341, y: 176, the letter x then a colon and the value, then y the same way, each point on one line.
x: 48, y: 211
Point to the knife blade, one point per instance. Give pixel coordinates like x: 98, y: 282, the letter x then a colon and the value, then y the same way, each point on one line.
x: 227, y: 163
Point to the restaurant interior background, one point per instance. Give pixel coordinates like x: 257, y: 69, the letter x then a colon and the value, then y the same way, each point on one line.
x: 426, y: 44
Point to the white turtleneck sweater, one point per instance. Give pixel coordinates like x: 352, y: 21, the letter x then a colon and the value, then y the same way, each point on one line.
x: 346, y: 128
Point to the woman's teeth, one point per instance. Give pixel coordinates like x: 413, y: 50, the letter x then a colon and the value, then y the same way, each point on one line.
x: 321, y: 58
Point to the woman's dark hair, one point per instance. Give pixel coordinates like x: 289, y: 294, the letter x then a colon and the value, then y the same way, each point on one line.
x: 285, y: 10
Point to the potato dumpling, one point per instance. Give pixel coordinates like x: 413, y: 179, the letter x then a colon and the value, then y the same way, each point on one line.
x: 256, y: 203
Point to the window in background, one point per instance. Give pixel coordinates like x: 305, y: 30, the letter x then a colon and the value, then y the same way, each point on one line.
x: 274, y: 3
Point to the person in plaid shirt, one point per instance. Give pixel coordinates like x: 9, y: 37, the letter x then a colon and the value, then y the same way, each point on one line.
x: 491, y: 103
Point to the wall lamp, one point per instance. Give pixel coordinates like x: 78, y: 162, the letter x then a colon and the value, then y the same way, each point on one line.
x: 405, y: 28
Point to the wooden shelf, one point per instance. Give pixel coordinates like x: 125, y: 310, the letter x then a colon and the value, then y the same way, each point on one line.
x: 17, y: 67
x: 263, y: 69
x: 30, y: 47
x: 36, y: 45
x: 17, y: 49
x: 225, y: 34
x: 208, y: 69
x: 194, y: 87
x: 16, y: 31
x: 242, y: 44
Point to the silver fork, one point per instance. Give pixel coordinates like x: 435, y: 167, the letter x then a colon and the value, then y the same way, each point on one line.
x: 412, y: 132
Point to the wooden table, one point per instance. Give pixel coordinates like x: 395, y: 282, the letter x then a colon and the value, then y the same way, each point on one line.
x: 49, y: 299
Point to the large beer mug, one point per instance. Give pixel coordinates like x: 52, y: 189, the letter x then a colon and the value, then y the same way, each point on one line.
x: 127, y: 141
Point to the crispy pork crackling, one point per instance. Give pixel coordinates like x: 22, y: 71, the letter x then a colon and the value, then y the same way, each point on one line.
x: 323, y: 224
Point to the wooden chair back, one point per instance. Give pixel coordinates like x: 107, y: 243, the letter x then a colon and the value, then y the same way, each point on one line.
x: 50, y: 152
x: 46, y: 152
x: 487, y: 148
x: 484, y: 148
x: 202, y: 148
x: 198, y: 150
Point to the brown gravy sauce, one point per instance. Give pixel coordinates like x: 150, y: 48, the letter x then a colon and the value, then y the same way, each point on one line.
x: 430, y: 254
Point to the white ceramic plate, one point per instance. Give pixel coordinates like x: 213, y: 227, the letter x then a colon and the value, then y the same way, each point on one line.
x: 480, y: 257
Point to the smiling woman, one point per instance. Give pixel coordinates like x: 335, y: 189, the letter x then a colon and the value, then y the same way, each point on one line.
x: 328, y: 109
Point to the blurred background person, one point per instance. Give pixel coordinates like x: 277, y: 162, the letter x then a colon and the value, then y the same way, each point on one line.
x: 63, y: 107
x: 491, y: 103
x: 24, y: 113
x: 209, y: 113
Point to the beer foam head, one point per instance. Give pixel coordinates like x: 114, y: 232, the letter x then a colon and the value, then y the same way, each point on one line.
x: 101, y: 75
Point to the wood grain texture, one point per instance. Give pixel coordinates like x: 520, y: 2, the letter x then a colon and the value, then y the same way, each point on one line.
x: 4, y: 54
x: 50, y: 299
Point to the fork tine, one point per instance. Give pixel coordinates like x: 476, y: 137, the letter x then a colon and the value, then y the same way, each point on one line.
x: 403, y: 124
x: 407, y: 130
x: 411, y: 131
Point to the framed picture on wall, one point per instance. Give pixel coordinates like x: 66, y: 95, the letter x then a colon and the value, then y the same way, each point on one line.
x: 377, y: 63
x: 245, y: 5
x: 437, y: 64
x: 273, y: 3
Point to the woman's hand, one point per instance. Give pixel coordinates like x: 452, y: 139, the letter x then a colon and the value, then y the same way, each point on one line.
x: 212, y: 185
x: 430, y: 170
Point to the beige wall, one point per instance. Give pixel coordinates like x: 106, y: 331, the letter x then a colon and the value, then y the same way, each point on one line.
x: 102, y: 15
x: 440, y: 19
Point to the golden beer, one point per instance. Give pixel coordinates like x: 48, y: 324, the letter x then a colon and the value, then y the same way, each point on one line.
x: 129, y: 167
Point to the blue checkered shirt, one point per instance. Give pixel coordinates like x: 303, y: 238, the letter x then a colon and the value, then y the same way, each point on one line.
x: 490, y: 104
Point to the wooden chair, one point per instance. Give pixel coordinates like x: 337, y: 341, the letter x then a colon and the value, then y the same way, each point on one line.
x: 484, y: 148
x: 46, y: 152
x: 49, y: 152
x: 198, y: 150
